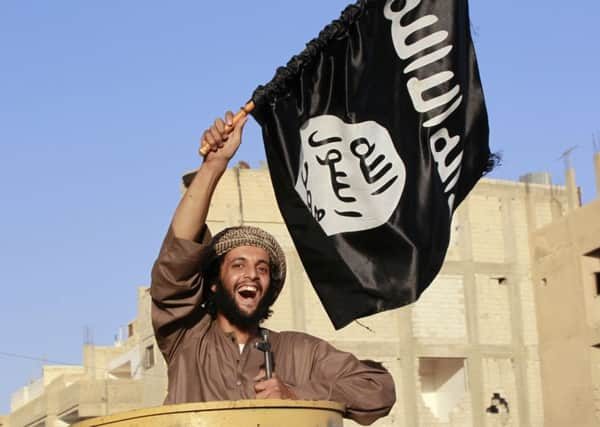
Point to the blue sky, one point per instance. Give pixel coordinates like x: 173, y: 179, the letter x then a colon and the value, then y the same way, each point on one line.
x: 102, y: 104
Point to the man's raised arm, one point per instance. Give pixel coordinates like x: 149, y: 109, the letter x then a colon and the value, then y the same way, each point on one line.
x: 190, y: 215
x: 177, y: 277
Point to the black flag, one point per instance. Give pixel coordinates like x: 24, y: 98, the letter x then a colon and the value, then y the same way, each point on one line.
x: 374, y: 134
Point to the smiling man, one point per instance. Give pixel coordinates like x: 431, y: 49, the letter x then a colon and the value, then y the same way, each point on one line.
x: 210, y: 296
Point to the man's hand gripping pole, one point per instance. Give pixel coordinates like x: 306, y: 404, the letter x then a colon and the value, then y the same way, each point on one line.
x: 205, y: 147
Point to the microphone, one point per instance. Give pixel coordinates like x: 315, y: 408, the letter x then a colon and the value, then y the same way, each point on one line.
x: 265, y: 346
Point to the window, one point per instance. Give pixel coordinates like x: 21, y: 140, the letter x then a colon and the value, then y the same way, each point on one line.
x: 130, y: 330
x: 149, y: 357
x: 443, y: 385
x: 594, y: 254
x: 597, y: 276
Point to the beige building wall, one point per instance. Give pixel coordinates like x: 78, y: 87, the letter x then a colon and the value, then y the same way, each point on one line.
x: 466, y: 354
x: 567, y: 275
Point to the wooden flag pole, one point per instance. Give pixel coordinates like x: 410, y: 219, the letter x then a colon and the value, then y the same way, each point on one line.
x: 244, y: 111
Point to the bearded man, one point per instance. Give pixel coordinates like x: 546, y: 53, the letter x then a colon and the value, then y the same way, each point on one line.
x: 211, y: 294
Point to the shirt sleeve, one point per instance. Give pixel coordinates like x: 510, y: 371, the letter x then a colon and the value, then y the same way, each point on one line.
x: 177, y: 289
x: 366, y: 388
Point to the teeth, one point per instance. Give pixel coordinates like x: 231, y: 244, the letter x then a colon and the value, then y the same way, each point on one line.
x: 248, y: 291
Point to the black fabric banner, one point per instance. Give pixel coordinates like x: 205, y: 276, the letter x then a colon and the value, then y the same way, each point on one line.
x: 374, y: 134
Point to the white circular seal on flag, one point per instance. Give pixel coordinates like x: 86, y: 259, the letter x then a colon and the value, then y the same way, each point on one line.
x: 351, y: 176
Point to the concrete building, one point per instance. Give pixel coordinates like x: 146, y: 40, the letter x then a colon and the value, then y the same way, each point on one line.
x: 466, y: 354
x: 566, y: 274
x: 128, y: 375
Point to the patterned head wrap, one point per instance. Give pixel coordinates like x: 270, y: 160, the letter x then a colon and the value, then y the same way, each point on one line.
x: 233, y: 237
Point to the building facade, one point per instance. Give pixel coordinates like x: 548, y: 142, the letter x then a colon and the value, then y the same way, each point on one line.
x: 567, y: 276
x: 128, y: 375
x: 466, y: 354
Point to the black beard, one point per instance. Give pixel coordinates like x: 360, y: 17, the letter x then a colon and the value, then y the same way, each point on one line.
x: 225, y: 304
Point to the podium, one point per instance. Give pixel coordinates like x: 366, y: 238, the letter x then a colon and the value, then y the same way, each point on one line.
x: 240, y: 413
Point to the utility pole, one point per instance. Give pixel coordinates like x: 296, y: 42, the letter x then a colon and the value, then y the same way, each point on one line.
x: 596, y: 142
x: 572, y: 192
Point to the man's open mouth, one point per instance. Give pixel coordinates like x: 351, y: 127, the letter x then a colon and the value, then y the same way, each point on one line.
x: 248, y: 291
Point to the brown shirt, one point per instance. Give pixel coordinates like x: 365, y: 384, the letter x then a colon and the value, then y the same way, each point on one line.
x: 205, y: 364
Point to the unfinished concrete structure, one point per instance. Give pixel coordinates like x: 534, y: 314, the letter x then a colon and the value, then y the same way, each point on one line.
x: 466, y: 354
x: 112, y: 379
x: 566, y: 273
